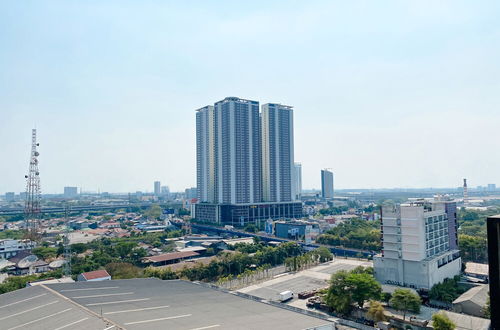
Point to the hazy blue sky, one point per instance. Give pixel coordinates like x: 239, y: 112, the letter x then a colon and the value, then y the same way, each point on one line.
x: 386, y: 93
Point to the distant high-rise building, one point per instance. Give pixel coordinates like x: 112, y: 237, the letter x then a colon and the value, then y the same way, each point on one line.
x: 326, y: 184
x: 10, y: 196
x: 70, y: 192
x: 205, y: 154
x: 165, y: 190
x: 277, y: 153
x: 228, y: 152
x: 492, y: 187
x: 157, y: 188
x: 191, y: 193
x: 418, y: 246
x: 298, y: 181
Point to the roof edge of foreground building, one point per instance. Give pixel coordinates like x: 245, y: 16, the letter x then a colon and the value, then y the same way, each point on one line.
x: 147, y: 303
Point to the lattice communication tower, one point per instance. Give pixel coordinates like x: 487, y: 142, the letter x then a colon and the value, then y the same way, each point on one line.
x: 33, y: 191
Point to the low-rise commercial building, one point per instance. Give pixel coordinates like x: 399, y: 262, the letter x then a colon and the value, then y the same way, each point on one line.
x: 296, y: 229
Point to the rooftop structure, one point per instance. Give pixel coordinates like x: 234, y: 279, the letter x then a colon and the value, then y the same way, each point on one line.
x: 167, y: 258
x: 96, y: 275
x: 144, y: 304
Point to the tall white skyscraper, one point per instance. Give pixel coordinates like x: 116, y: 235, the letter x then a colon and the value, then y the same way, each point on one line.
x: 277, y: 153
x: 297, y: 181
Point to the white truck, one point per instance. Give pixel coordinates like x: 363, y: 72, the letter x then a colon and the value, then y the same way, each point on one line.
x: 285, y: 296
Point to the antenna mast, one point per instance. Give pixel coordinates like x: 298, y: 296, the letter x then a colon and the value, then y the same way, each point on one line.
x: 33, y: 191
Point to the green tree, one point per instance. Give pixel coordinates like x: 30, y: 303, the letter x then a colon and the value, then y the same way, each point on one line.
x: 337, y: 297
x: 323, y: 254
x: 348, y: 287
x: 441, y: 322
x: 376, y: 312
x: 363, y: 287
x: 448, y: 290
x: 45, y: 252
x: 123, y: 270
x: 251, y: 228
x: 406, y: 301
x: 154, y: 212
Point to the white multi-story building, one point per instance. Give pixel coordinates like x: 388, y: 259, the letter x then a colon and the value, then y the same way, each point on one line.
x: 10, y: 247
x: 417, y: 246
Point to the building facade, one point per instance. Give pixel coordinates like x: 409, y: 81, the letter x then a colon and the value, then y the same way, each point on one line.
x: 10, y: 196
x: 326, y: 184
x: 416, y: 242
x: 243, y: 214
x: 157, y: 188
x: 298, y: 181
x: 277, y: 153
x: 70, y: 192
x: 11, y: 247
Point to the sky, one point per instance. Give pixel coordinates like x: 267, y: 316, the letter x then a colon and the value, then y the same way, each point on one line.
x: 386, y: 93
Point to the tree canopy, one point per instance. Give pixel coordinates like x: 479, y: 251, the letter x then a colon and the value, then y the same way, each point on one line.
x: 356, y: 233
x: 346, y: 288
x: 406, y: 301
x: 376, y: 311
x: 441, y: 322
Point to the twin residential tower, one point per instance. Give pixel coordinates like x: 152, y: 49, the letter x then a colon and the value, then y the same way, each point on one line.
x: 245, y: 162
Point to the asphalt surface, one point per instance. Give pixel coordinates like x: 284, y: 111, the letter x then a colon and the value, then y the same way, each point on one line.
x: 39, y: 308
x: 296, y: 285
x: 141, y: 304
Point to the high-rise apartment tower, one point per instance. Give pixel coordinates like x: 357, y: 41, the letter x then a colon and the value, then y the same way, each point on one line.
x: 277, y: 153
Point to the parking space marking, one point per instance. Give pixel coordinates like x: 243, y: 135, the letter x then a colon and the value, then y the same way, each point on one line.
x: 136, y: 310
x: 72, y: 323
x: 20, y: 301
x: 29, y: 310
x: 37, y: 320
x: 103, y: 295
x: 162, y: 319
x: 117, y: 302
x: 111, y: 327
x: 207, y: 327
x: 86, y: 289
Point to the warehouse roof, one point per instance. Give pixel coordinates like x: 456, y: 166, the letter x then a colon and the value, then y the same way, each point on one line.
x: 142, y: 304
